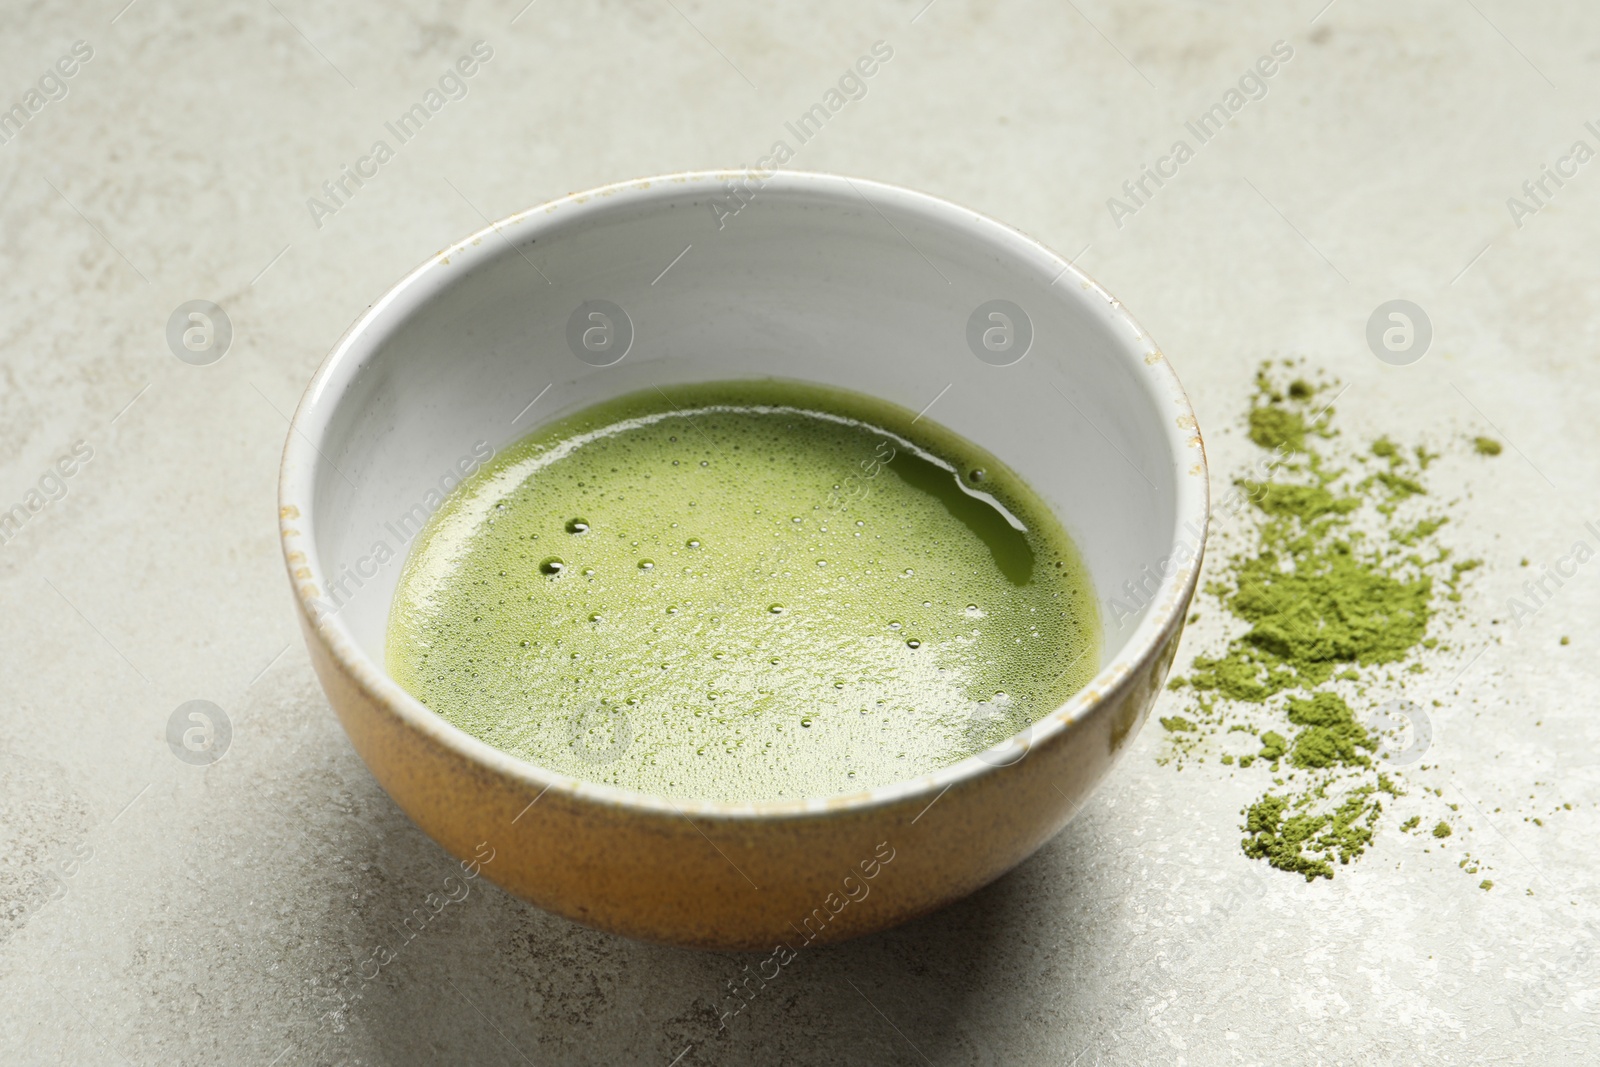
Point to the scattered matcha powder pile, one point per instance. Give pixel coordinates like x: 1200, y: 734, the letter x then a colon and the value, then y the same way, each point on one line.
x: 1341, y: 578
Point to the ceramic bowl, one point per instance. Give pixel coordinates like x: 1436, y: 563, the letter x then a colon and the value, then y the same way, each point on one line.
x: 708, y: 276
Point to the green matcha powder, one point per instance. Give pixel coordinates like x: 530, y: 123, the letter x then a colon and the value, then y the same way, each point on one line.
x: 1337, y: 589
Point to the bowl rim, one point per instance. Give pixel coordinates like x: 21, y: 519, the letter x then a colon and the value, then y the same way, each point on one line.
x: 302, y: 458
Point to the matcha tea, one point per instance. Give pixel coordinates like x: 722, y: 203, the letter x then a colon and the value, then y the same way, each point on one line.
x: 743, y: 591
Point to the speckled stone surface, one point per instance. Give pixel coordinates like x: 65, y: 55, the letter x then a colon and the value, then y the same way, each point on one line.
x: 158, y: 911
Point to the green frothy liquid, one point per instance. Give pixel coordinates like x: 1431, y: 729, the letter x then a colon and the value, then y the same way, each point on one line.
x: 743, y: 591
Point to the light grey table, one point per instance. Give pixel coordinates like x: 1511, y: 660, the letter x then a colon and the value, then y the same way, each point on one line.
x: 161, y: 912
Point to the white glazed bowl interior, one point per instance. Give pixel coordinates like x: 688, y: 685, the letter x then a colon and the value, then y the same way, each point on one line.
x: 821, y: 278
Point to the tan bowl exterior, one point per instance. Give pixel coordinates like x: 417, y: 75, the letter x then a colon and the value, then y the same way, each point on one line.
x: 748, y: 882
